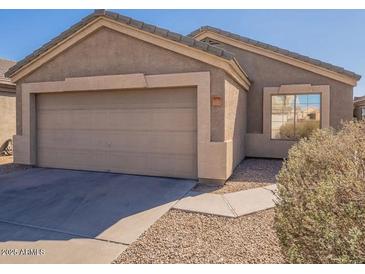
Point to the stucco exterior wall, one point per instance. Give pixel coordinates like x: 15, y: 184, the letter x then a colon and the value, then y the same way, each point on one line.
x: 107, y: 52
x: 265, y: 72
x: 235, y: 101
x: 7, y: 116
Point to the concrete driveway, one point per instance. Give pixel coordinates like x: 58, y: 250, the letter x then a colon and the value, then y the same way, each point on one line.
x: 64, y: 216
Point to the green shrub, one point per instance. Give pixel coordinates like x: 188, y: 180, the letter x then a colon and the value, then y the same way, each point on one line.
x: 320, y: 213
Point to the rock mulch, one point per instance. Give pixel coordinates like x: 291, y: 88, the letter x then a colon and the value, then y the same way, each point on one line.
x: 7, y: 165
x: 6, y: 160
x: 183, y: 237
x: 250, y: 173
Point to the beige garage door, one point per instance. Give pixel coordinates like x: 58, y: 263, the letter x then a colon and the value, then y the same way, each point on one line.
x: 147, y: 132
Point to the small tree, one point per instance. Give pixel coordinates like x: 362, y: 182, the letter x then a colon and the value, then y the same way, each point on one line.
x: 320, y: 213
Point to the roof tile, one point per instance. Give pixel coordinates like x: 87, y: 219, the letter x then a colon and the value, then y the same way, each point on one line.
x: 218, y: 51
x: 187, y: 40
x: 124, y: 19
x: 161, y: 31
x: 201, y: 45
x: 174, y: 36
x: 136, y: 23
x: 149, y: 28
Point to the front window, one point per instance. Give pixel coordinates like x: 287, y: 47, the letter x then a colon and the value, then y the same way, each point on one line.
x: 295, y: 116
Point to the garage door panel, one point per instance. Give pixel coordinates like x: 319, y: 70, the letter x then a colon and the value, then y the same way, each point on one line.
x: 131, y: 99
x: 129, y: 141
x: 154, y: 142
x: 64, y: 119
x: 146, y: 119
x: 158, y: 164
x: 74, y: 159
x: 155, y: 164
x: 61, y: 139
x: 147, y: 132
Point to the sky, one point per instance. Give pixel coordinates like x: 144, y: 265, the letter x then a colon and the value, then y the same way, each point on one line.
x: 333, y: 36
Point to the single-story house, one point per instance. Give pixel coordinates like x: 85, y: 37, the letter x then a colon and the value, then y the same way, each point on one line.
x: 7, y: 105
x: 359, y: 108
x: 115, y: 94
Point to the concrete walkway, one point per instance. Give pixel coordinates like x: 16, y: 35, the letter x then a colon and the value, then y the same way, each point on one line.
x: 232, y: 205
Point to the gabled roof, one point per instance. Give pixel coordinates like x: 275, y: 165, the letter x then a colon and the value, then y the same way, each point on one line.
x: 359, y: 99
x: 278, y: 50
x: 138, y: 25
x: 4, y: 66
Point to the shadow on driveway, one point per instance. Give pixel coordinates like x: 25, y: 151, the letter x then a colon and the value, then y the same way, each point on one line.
x: 54, y: 204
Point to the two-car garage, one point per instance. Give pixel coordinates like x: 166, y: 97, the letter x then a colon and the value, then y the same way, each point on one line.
x: 109, y: 95
x: 136, y: 131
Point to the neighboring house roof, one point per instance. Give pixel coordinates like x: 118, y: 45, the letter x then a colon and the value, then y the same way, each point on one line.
x: 166, y: 34
x: 275, y: 49
x: 4, y: 66
x: 359, y: 100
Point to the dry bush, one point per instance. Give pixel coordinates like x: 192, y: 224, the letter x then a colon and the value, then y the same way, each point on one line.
x: 320, y: 213
x: 302, y: 129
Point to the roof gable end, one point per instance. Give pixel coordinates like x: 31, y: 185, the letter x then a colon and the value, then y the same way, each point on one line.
x: 100, y: 18
x: 283, y: 55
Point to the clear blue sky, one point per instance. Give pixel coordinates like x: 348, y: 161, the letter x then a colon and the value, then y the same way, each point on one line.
x: 334, y: 36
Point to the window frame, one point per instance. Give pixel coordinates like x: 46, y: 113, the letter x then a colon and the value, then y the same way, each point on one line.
x: 362, y: 109
x: 295, y: 104
x: 293, y: 89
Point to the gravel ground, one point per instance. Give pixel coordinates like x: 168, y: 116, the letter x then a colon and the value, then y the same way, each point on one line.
x: 7, y: 165
x: 250, y: 173
x: 183, y: 237
x: 6, y: 160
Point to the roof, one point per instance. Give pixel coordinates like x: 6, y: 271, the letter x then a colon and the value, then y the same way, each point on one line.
x: 189, y: 41
x: 358, y: 99
x: 4, y: 66
x: 291, y: 54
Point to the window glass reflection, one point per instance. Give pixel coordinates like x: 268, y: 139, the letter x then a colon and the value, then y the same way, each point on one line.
x: 282, y: 116
x: 295, y: 116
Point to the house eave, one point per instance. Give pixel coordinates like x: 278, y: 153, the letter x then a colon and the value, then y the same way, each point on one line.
x: 228, y: 64
x: 279, y: 57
